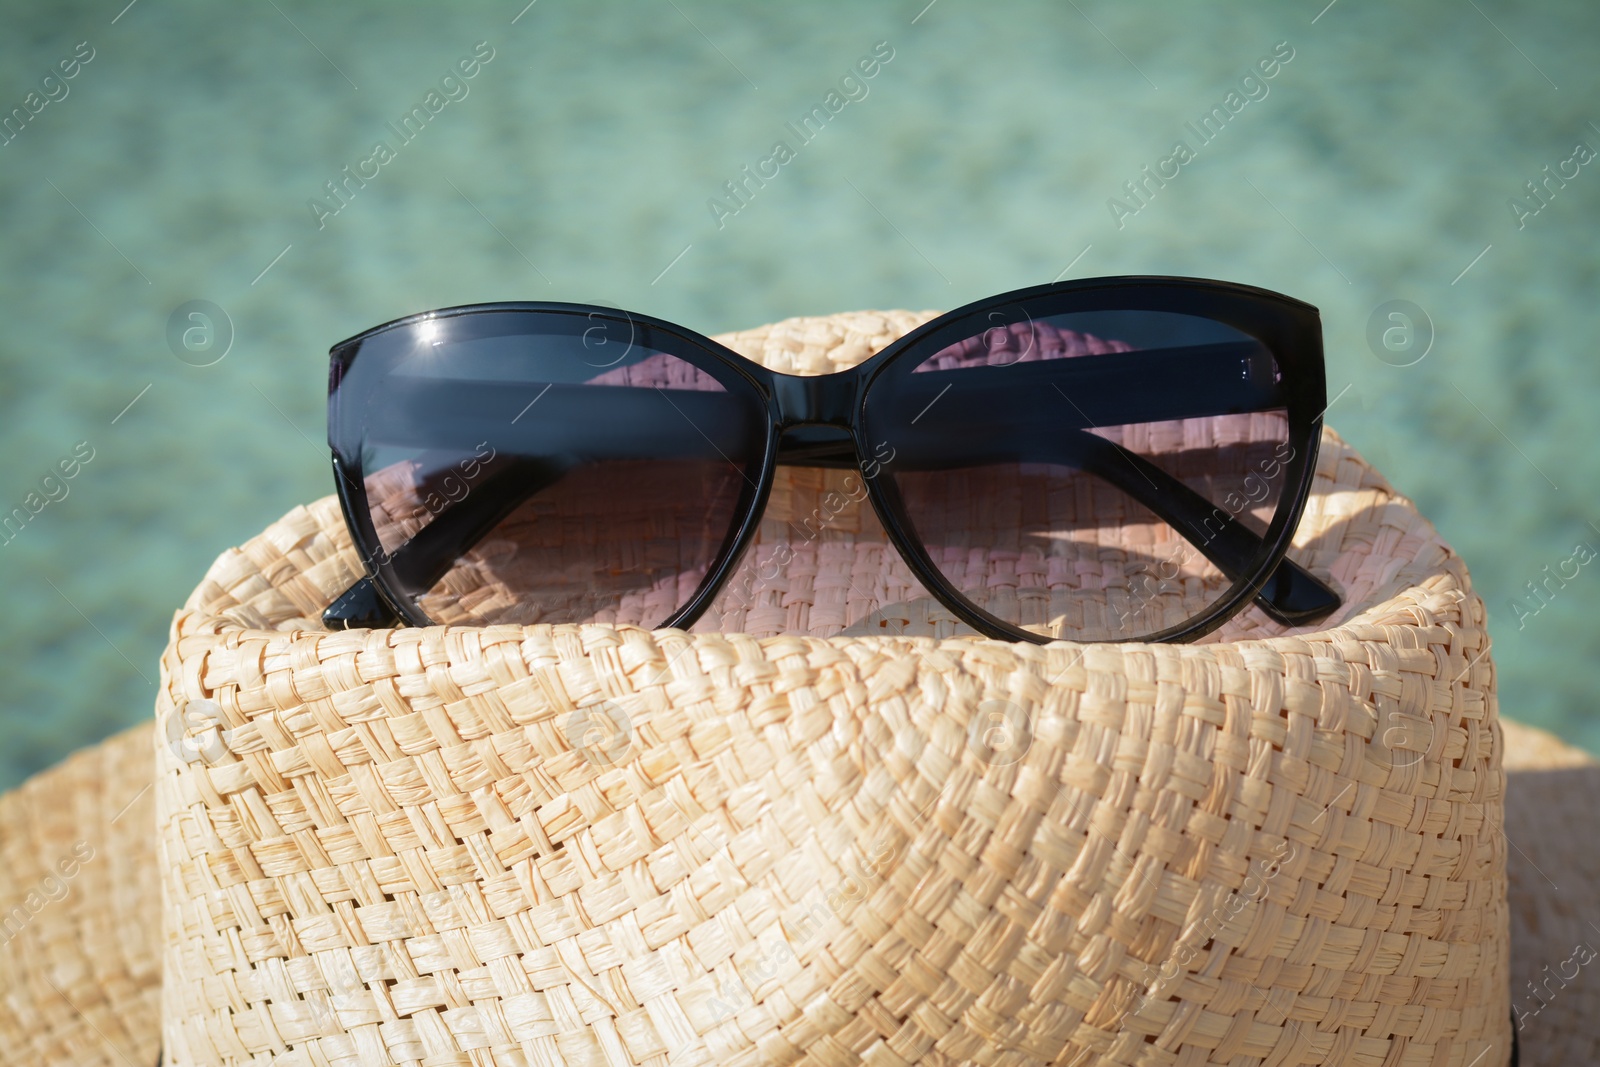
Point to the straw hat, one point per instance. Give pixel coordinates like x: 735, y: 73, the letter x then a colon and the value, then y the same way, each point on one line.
x: 803, y: 841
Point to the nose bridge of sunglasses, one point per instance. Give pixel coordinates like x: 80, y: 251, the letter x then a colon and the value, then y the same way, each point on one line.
x: 821, y: 399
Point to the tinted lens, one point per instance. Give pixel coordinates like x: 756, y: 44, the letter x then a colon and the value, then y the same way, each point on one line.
x: 542, y: 467
x: 1094, y: 475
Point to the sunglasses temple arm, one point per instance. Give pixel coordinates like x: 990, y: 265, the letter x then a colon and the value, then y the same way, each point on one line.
x: 360, y: 607
x: 618, y: 422
x: 1291, y: 594
x: 428, y: 556
x: 1110, y: 390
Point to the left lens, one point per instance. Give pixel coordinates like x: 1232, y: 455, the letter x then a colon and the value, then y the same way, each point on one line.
x: 547, y: 467
x: 1099, y: 475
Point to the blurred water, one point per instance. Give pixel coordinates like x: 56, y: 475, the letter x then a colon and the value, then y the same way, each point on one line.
x: 179, y: 163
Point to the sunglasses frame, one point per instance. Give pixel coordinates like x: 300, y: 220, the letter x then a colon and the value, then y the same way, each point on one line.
x: 1290, y: 329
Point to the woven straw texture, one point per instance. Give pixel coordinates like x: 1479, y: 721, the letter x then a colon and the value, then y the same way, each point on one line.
x: 80, y: 967
x: 598, y: 845
x: 1552, y: 792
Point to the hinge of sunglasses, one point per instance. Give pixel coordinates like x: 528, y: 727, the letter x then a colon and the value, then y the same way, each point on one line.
x: 360, y: 608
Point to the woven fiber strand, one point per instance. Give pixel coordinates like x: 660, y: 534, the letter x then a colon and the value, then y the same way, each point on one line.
x: 80, y: 970
x: 593, y: 844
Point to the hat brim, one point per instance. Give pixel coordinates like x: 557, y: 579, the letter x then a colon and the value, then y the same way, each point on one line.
x: 1552, y: 797
x: 80, y: 946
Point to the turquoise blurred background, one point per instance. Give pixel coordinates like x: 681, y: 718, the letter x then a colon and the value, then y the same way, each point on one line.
x: 178, y: 164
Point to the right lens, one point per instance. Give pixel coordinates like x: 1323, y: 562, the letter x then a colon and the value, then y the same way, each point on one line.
x: 525, y: 466
x: 1100, y: 475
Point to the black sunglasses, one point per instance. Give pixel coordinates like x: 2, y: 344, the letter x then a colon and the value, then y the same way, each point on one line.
x: 1110, y: 459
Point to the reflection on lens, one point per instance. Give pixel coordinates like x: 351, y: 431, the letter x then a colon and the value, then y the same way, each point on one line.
x: 1090, y: 476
